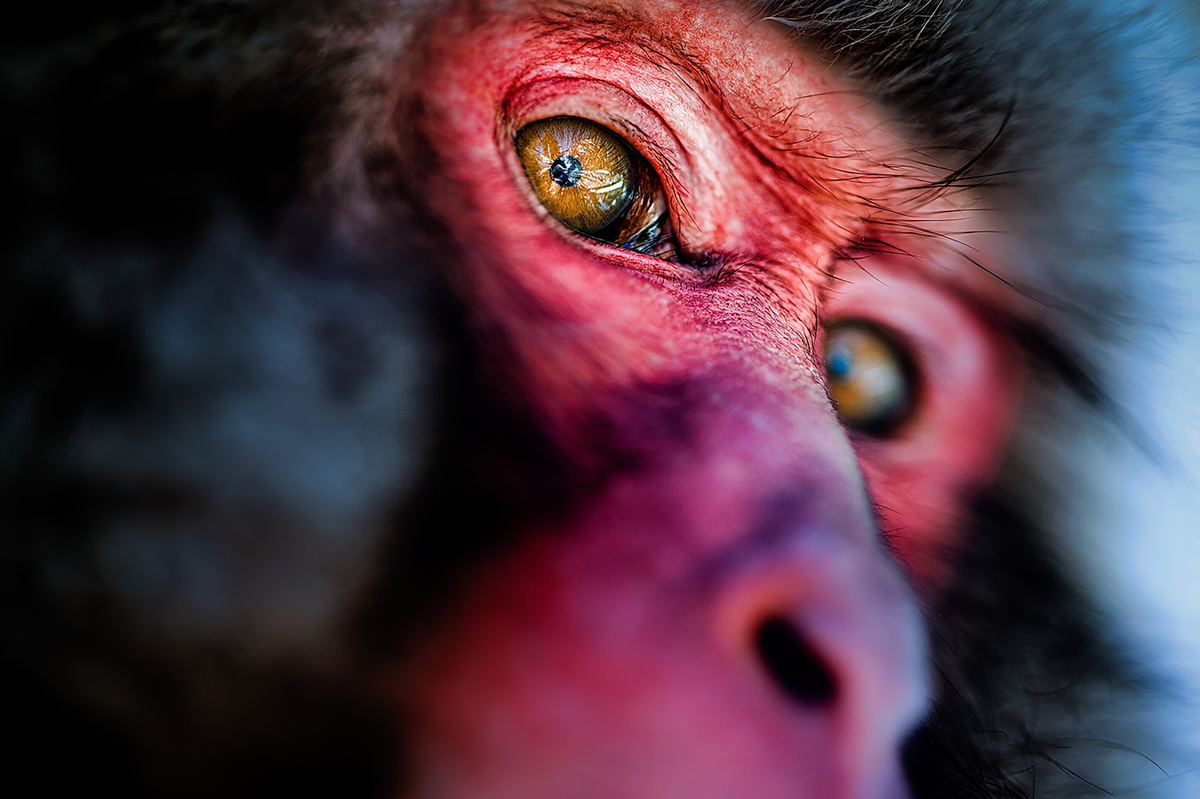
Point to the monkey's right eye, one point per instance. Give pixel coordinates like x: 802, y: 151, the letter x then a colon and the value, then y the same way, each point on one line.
x: 589, y: 179
x: 869, y: 378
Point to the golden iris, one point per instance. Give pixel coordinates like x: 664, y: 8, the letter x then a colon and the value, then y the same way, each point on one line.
x: 589, y: 179
x: 869, y: 378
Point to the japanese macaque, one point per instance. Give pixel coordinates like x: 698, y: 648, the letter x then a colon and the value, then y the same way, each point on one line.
x: 591, y: 399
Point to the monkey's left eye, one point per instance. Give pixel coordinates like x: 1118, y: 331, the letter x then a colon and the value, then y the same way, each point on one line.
x: 589, y: 179
x: 869, y: 378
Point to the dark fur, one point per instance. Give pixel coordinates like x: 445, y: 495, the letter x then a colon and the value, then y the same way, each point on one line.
x: 225, y: 423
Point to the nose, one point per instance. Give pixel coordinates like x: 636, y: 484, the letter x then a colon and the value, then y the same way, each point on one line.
x: 825, y: 628
x: 719, y: 621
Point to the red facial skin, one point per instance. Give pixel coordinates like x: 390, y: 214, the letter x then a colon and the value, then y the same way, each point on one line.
x: 612, y: 654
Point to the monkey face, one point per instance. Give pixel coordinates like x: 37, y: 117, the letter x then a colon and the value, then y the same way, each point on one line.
x: 701, y: 268
x: 580, y: 398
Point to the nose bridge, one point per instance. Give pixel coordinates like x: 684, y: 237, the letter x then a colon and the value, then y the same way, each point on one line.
x: 763, y: 501
x: 721, y: 445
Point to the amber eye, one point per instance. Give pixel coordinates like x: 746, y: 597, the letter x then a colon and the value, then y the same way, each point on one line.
x: 589, y: 179
x: 869, y: 378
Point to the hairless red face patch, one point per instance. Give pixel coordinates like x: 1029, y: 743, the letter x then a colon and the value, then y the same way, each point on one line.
x: 686, y: 245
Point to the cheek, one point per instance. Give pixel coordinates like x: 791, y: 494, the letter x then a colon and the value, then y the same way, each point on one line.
x: 968, y: 383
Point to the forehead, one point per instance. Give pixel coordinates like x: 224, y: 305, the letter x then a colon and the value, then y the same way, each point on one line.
x: 699, y: 40
x: 726, y: 52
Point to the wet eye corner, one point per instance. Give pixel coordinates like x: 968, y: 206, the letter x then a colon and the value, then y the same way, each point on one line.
x: 594, y: 182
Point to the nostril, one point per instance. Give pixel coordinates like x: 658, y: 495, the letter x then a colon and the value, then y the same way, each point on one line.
x: 792, y: 663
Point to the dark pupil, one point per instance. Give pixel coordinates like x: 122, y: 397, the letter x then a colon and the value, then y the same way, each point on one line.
x: 566, y: 170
